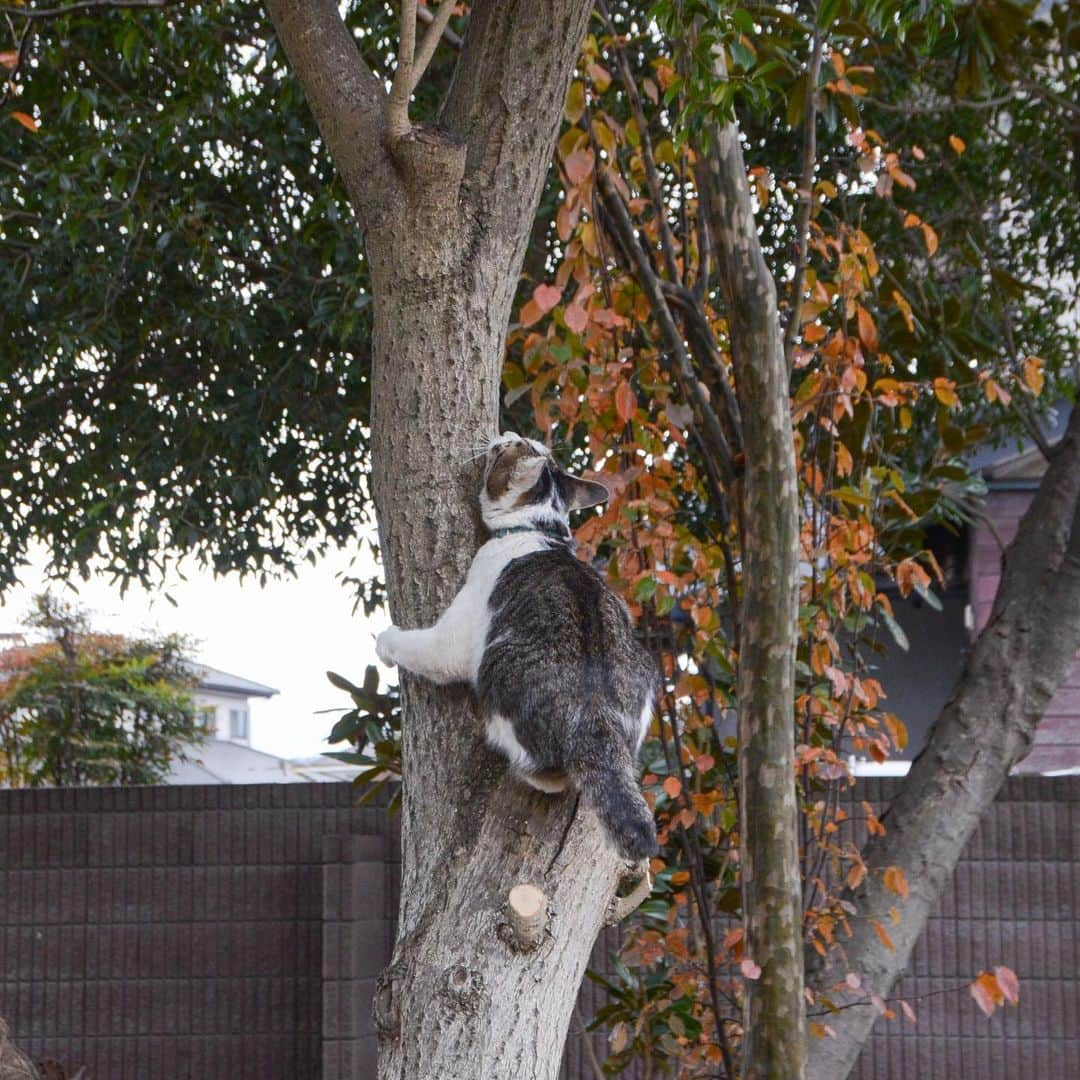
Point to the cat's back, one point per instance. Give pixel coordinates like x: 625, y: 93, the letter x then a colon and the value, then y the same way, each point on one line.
x: 549, y: 608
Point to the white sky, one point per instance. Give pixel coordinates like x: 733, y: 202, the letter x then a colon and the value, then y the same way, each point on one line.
x: 286, y: 635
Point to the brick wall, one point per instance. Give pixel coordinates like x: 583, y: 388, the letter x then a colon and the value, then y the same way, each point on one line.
x: 236, y: 932
x: 194, y: 932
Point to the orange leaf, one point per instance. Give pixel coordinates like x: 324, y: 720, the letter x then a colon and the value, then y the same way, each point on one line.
x: 908, y: 1011
x: 896, y: 882
x: 673, y: 785
x: 601, y: 77
x: 1009, y: 983
x: 625, y: 402
x: 958, y: 144
x: 27, y: 122
x: 530, y: 313
x: 546, y: 297
x: 945, y: 392
x: 868, y: 334
x: 1033, y: 374
x: 987, y: 993
x: 749, y: 969
x: 996, y: 392
x: 576, y: 318
x: 9, y: 59
x: 579, y: 166
x: 905, y: 309
x: 883, y: 935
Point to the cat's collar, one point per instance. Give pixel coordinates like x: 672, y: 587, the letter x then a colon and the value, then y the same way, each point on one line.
x: 556, y: 532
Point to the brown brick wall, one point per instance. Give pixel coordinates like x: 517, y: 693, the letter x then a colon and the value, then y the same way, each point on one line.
x: 1014, y: 900
x: 190, y: 931
x: 236, y: 932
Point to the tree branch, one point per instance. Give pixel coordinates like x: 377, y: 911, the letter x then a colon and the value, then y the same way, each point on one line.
x: 346, y: 97
x: 38, y: 14
x: 774, y: 1013
x: 683, y: 369
x: 451, y: 39
x: 397, y: 110
x: 506, y: 97
x: 652, y: 175
x: 412, y: 63
x: 985, y: 728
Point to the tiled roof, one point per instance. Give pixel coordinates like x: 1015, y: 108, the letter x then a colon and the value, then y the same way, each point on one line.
x: 224, y: 683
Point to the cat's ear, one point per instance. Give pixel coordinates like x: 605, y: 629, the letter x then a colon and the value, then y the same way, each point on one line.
x: 583, y: 493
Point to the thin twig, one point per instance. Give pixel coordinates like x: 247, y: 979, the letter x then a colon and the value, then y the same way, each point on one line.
x: 684, y: 372
x: 586, y: 1042
x: 412, y: 63
x: 805, y: 195
x: 427, y: 18
x: 941, y: 106
x: 81, y: 5
x: 397, y: 109
x: 652, y: 175
x: 430, y: 40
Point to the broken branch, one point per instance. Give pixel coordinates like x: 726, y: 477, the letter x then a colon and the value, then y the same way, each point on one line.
x: 528, y: 916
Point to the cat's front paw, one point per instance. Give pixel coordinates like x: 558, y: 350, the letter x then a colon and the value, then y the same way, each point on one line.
x: 384, y: 646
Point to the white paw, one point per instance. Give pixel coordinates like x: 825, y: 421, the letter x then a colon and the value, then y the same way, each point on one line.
x: 385, y: 646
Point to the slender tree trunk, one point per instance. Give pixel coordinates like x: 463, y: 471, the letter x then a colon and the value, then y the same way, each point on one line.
x: 774, y: 1038
x: 447, y: 213
x: 985, y: 728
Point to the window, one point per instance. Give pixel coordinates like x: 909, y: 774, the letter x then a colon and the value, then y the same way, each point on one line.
x: 208, y: 719
x: 238, y: 723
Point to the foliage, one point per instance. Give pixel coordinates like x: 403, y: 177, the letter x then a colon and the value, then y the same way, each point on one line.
x: 184, y: 315
x: 87, y: 708
x: 373, y: 728
x: 915, y: 335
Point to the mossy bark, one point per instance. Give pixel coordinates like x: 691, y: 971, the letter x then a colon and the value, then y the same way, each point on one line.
x: 774, y: 1036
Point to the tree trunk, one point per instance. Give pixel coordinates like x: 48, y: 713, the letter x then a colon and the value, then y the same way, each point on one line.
x: 774, y: 1036
x: 985, y: 728
x: 447, y: 213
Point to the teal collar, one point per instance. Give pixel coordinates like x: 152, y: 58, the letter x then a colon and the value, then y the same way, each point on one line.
x: 556, y: 532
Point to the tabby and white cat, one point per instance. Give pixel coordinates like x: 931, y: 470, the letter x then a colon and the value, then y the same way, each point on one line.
x: 566, y: 690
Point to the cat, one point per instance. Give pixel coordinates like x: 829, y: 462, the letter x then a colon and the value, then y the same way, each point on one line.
x: 566, y: 690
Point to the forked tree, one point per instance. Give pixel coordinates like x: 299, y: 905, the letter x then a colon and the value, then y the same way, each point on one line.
x: 446, y: 212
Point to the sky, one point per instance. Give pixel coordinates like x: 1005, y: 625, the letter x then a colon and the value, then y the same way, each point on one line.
x: 285, y: 634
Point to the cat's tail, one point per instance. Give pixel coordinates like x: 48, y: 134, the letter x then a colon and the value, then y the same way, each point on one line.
x: 606, y: 773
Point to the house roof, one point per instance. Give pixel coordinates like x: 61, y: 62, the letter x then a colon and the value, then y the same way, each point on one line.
x: 1019, y: 459
x: 221, y: 682
x: 218, y: 761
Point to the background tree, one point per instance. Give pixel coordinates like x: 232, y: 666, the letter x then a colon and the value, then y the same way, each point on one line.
x: 83, y: 708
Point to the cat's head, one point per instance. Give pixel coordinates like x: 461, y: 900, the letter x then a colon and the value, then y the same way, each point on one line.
x: 523, y: 485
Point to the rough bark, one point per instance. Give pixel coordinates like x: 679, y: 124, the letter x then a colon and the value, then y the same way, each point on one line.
x: 447, y: 213
x: 774, y: 1036
x: 985, y: 728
